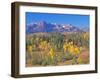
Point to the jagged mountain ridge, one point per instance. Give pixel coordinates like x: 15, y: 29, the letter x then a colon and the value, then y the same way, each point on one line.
x: 50, y: 27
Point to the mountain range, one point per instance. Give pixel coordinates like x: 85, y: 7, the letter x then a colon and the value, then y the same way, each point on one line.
x: 43, y: 26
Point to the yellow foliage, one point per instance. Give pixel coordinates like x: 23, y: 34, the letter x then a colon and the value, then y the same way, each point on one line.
x: 81, y: 48
x: 71, y: 48
x: 71, y: 43
x: 52, y: 53
x: 65, y: 47
x: 76, y: 50
x: 43, y: 45
x: 30, y: 48
x: 68, y: 62
x: 79, y: 60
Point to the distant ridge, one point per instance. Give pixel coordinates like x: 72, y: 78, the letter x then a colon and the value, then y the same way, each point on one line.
x: 43, y: 26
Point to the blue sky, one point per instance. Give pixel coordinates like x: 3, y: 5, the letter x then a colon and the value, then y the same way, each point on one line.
x: 76, y: 20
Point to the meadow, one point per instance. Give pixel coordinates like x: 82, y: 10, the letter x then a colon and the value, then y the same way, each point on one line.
x: 55, y: 49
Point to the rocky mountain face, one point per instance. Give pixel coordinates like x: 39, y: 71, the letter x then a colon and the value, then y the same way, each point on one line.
x: 50, y: 27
